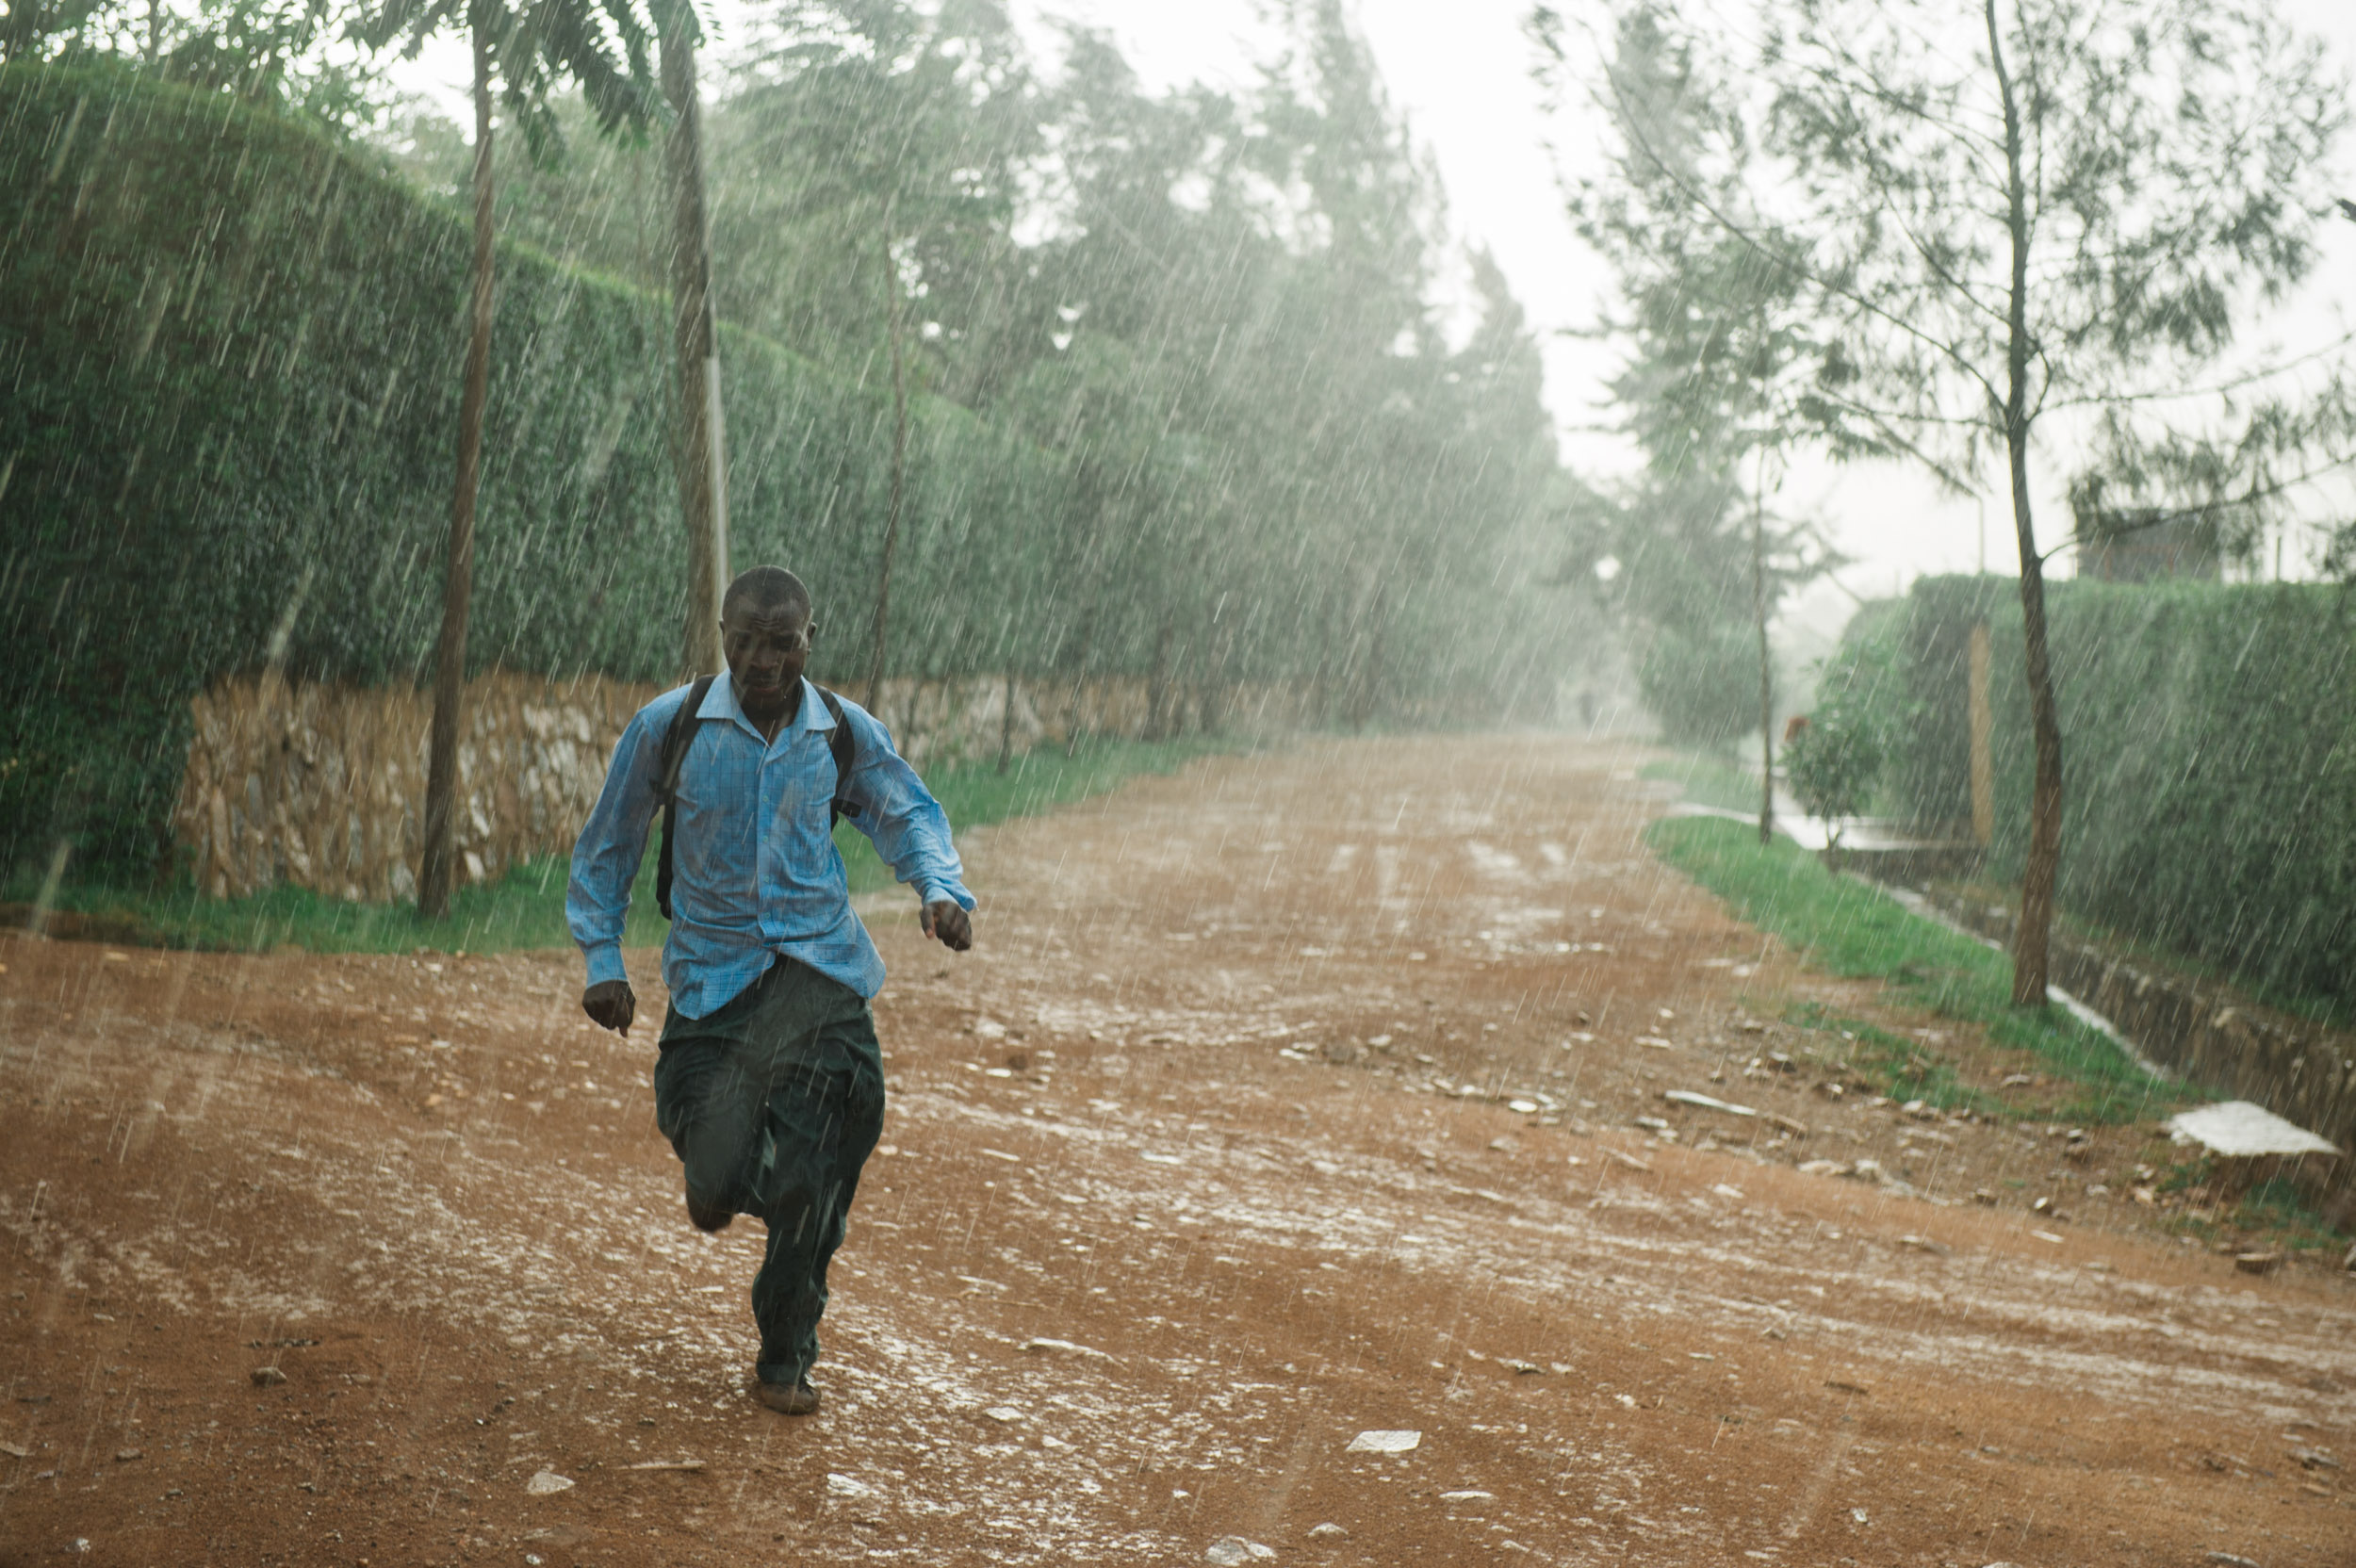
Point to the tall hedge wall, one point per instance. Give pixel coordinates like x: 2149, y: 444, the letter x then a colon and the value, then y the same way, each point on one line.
x: 2209, y: 758
x: 228, y: 390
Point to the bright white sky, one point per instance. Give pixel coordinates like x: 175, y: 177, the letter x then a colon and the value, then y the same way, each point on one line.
x: 1461, y: 74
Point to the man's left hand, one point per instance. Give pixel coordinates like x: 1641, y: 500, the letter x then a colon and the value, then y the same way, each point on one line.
x: 951, y: 924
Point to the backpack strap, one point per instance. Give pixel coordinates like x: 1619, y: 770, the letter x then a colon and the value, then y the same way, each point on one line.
x: 675, y: 743
x: 844, y: 746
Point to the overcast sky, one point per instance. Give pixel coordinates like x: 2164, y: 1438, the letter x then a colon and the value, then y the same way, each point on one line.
x: 1461, y: 74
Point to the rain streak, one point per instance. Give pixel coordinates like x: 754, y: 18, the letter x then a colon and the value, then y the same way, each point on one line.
x: 1310, y: 782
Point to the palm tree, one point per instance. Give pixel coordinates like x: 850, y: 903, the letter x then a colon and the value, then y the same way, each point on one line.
x: 530, y: 48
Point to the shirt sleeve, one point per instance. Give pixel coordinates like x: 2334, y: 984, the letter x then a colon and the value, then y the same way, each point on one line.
x: 611, y: 842
x: 899, y: 815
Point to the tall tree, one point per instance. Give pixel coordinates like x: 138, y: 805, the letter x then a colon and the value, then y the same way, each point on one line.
x: 2052, y: 208
x: 900, y: 126
x: 699, y: 439
x: 528, y: 50
x: 1717, y: 386
x: 2066, y: 207
x: 288, y: 55
x: 31, y: 25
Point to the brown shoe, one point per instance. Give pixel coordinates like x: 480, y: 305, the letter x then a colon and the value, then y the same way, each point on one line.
x: 787, y: 1399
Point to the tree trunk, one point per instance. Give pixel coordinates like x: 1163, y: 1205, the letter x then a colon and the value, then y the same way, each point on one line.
x: 899, y: 462
x: 2029, y: 955
x: 700, y: 448
x: 1766, y: 678
x: 1005, y: 726
x: 1367, y: 680
x: 1074, y: 704
x: 1157, y: 685
x: 436, y: 869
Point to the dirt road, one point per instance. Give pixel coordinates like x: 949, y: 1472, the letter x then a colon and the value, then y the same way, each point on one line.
x: 1286, y: 1100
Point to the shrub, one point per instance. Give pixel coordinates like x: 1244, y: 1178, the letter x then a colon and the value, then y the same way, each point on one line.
x: 2208, y: 753
x: 1831, y: 761
x: 1701, y: 681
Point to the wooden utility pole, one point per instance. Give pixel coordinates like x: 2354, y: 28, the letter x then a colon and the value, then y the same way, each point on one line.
x: 699, y: 446
x: 436, y: 869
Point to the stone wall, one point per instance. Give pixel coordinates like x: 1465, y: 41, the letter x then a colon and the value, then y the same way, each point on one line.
x: 324, y: 786
x: 2294, y: 1067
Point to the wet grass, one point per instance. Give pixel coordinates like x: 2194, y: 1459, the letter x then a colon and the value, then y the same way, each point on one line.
x: 525, y: 908
x: 2279, y: 1209
x: 2330, y: 1012
x: 1709, y: 778
x: 1877, y: 1060
x: 1853, y: 930
x: 2275, y: 1215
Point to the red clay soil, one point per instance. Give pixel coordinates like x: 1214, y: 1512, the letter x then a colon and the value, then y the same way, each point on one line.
x: 1286, y: 1099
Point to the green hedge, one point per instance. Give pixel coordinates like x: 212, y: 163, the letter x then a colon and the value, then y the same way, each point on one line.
x: 2209, y: 760
x: 230, y: 349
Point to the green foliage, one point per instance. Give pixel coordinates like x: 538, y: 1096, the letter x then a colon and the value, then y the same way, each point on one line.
x: 1853, y: 930
x: 1701, y: 680
x: 2278, y: 1207
x: 1836, y: 762
x: 533, y: 50
x: 30, y: 28
x: 284, y: 55
x: 1928, y: 763
x: 2211, y: 807
x: 1899, y: 1069
x: 1221, y: 320
x: 1716, y: 386
x: 891, y: 143
x: 2175, y: 160
x: 526, y: 909
x: 1708, y: 779
x: 1832, y: 765
x: 230, y: 347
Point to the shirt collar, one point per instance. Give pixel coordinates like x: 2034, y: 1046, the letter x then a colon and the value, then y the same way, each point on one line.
x: 720, y: 703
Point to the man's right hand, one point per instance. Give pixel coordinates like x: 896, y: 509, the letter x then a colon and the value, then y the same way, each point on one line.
x: 611, y: 1005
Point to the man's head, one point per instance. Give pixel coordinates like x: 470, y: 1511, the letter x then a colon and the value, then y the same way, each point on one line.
x: 765, y: 633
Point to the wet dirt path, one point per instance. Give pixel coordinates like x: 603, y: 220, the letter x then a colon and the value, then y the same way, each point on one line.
x: 1284, y: 1100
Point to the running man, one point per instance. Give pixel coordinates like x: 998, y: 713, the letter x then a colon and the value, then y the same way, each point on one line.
x: 768, y: 1082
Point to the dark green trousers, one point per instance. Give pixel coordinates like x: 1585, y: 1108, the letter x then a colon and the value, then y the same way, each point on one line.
x: 773, y: 1104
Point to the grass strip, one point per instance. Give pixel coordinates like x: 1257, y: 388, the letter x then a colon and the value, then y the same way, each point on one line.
x: 525, y: 908
x: 1708, y: 780
x: 1903, y: 1070
x: 1853, y: 930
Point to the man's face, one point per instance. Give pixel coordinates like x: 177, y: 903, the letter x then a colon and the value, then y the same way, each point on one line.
x: 766, y: 648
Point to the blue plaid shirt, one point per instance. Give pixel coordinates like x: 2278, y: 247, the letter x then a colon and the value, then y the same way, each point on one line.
x: 754, y: 872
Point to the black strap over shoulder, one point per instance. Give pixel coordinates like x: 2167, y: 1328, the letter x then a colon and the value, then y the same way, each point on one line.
x: 844, y: 746
x: 675, y: 741
x: 841, y: 744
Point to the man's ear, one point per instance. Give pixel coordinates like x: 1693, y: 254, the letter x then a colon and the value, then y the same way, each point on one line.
x: 810, y: 633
